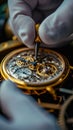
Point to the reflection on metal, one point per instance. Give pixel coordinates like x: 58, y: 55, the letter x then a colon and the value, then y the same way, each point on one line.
x: 48, y: 70
x: 71, y: 67
x: 50, y: 106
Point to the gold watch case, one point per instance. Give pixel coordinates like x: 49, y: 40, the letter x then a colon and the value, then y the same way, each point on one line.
x: 49, y: 70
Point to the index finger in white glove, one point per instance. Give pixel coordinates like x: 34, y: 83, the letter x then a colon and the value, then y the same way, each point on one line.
x: 21, y: 22
x: 58, y: 26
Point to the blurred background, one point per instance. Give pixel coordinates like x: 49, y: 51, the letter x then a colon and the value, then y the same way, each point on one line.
x: 5, y: 30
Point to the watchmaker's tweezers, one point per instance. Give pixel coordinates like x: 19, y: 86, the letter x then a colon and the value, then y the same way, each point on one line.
x: 37, y: 42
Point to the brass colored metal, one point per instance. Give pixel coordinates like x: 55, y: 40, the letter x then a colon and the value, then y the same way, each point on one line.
x: 50, y: 106
x: 71, y: 67
x: 52, y: 92
x: 49, y: 70
x: 37, y: 36
x: 37, y: 41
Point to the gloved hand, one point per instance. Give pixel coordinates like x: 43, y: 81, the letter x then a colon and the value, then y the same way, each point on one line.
x: 21, y: 112
x: 55, y: 18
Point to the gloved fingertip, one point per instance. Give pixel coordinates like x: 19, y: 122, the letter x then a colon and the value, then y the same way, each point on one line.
x: 31, y: 46
x: 8, y: 85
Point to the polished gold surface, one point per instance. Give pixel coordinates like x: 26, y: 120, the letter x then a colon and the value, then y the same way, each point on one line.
x: 40, y: 67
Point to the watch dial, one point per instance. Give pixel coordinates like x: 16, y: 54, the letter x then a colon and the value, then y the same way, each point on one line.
x: 47, y: 68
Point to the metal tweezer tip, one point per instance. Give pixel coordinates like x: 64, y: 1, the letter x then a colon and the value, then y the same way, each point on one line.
x: 36, y: 49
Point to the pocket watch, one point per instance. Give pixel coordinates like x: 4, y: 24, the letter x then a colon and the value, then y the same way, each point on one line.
x: 49, y: 70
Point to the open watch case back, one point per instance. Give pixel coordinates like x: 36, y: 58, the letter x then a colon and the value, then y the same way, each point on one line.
x: 49, y: 70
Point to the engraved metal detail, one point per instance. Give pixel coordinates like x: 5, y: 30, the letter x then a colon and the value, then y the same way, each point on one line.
x: 47, y: 68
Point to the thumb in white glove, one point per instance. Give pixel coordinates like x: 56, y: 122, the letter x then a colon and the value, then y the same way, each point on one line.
x: 58, y: 26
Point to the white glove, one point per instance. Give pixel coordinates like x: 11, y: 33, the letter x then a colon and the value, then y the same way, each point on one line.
x: 21, y: 112
x: 55, y: 18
